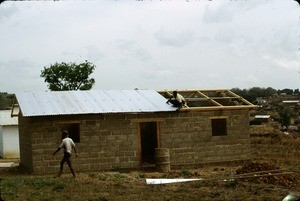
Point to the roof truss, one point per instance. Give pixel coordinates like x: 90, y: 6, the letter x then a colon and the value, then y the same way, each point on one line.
x: 15, y: 108
x: 210, y: 99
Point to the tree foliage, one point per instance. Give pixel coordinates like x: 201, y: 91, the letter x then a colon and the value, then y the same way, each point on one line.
x: 6, y: 100
x: 284, y: 116
x: 287, y: 91
x: 254, y: 92
x: 69, y: 76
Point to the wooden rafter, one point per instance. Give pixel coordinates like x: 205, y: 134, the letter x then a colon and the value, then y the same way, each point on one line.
x: 15, y: 105
x: 218, y: 99
x: 241, y: 98
x: 209, y: 99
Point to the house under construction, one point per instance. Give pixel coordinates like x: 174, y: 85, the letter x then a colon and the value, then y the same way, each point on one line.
x: 116, y: 129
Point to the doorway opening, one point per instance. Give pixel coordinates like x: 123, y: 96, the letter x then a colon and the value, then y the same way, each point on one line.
x: 149, y: 141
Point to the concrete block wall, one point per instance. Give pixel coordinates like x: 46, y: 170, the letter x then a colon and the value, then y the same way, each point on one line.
x: 189, y: 137
x: 25, y: 144
x: 106, y: 142
x: 111, y: 141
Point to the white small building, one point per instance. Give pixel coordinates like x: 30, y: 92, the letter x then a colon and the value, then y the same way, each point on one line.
x: 9, y: 135
x: 291, y: 102
x: 263, y: 118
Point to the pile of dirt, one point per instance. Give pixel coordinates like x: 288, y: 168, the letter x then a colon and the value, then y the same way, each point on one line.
x: 255, y: 167
x: 277, y: 177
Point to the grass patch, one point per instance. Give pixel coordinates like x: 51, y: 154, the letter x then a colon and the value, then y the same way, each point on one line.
x: 33, y: 187
x: 121, y: 184
x: 231, y: 183
x: 185, y: 173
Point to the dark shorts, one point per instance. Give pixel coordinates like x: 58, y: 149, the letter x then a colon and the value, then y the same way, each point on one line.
x: 176, y: 103
x: 67, y: 155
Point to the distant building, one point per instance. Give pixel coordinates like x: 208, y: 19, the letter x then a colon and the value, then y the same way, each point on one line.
x: 261, y: 101
x: 291, y: 102
x: 262, y: 118
x: 9, y: 135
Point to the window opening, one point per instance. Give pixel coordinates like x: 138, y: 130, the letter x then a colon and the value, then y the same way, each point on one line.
x: 219, y: 127
x: 74, y: 131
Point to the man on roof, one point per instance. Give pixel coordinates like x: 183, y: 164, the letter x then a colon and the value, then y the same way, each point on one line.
x: 177, y: 100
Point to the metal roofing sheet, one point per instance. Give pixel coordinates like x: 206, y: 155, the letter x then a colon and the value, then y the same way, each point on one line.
x: 262, y: 116
x: 290, y: 101
x: 91, y: 102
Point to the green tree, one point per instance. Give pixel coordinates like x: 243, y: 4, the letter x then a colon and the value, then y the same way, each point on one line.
x: 255, y: 92
x: 270, y: 92
x: 69, y: 76
x: 6, y: 100
x: 287, y: 91
x: 284, y: 116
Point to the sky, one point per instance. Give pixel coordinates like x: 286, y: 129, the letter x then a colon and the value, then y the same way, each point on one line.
x: 153, y: 44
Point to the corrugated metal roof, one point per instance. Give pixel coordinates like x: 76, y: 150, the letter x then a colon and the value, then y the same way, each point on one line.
x: 6, y: 119
x: 290, y: 101
x: 262, y: 116
x: 91, y: 102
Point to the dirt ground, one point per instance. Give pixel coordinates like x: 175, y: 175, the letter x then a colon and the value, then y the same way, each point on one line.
x: 272, y: 174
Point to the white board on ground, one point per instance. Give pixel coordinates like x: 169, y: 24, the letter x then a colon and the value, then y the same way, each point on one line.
x: 169, y: 181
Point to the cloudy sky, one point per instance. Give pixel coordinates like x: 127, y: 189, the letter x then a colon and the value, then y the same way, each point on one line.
x: 158, y: 44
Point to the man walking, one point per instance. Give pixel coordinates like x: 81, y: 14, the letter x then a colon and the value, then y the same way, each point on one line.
x: 67, y: 144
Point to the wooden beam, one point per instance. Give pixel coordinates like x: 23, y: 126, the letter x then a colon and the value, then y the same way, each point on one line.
x: 241, y: 98
x: 191, y: 96
x: 211, y: 100
x: 147, y: 120
x: 194, y: 90
x: 214, y: 98
x: 15, y: 105
x: 217, y: 108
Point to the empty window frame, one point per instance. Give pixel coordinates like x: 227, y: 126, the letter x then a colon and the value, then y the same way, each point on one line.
x: 219, y: 126
x: 73, y: 129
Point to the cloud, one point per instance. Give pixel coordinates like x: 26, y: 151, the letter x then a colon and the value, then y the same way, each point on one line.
x: 242, y: 80
x: 142, y: 54
x: 221, y: 12
x: 217, y: 15
x: 128, y: 49
x: 6, y: 10
x: 286, y: 39
x: 124, y: 45
x: 153, y: 44
x: 159, y: 73
x: 288, y: 64
x: 214, y: 75
x: 252, y: 79
x: 22, y: 74
x: 93, y: 54
x: 225, y: 36
x: 174, y: 38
